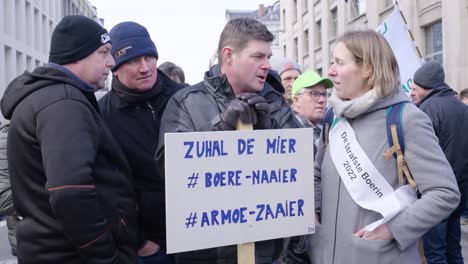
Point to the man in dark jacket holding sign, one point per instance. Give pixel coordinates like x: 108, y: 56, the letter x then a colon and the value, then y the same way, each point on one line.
x: 240, y: 87
x: 448, y: 116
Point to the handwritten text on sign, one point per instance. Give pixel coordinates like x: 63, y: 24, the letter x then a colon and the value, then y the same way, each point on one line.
x: 233, y: 187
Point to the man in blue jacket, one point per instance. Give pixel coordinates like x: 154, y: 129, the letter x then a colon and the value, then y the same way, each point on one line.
x: 448, y: 115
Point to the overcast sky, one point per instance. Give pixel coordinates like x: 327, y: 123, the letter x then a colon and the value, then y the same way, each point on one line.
x: 185, y: 32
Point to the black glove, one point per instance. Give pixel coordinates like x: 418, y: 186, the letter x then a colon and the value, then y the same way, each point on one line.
x: 237, y: 109
x: 261, y: 107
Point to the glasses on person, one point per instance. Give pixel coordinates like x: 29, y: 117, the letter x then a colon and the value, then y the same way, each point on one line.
x: 316, y: 94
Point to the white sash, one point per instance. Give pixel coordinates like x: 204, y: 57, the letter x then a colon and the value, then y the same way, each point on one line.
x: 365, y: 184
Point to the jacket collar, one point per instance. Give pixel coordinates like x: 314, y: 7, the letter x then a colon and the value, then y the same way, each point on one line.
x: 125, y: 96
x: 84, y: 85
x: 440, y: 90
x: 218, y: 85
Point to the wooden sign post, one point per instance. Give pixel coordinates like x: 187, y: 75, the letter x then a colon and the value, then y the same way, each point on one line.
x: 246, y: 251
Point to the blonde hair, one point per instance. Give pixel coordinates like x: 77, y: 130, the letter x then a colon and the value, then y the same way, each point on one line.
x: 371, y: 50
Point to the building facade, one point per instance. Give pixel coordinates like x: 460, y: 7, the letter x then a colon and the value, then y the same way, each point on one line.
x: 26, y: 28
x: 268, y: 15
x: 309, y: 29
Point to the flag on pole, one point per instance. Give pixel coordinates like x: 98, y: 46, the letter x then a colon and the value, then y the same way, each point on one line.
x: 396, y: 32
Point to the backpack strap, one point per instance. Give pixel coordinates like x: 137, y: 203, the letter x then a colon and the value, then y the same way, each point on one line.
x: 326, y: 124
x: 394, y: 116
x: 397, y: 143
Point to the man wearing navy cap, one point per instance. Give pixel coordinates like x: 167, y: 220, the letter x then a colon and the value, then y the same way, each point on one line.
x: 133, y: 110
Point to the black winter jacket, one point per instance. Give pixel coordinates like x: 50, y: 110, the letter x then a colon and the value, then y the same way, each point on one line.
x: 197, y: 108
x: 69, y: 177
x: 134, y: 119
x: 449, y: 118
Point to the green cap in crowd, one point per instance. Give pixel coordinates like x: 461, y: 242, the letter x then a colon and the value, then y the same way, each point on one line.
x: 309, y: 79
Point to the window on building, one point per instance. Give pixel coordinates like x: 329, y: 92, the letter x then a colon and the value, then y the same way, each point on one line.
x: 333, y: 23
x: 9, y: 25
x: 318, y: 33
x: 434, y: 48
x: 29, y: 24
x: 284, y: 51
x: 295, y: 49
x: 306, y: 42
x: 358, y: 7
x: 19, y: 18
x: 29, y: 63
x: 276, y: 39
x: 20, y: 63
x: 294, y: 10
x: 37, y: 29
x: 284, y: 20
x: 305, y: 6
x: 388, y: 3
x: 9, y: 61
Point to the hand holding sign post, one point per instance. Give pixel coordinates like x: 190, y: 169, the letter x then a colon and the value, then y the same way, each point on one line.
x: 236, y: 187
x: 246, y: 251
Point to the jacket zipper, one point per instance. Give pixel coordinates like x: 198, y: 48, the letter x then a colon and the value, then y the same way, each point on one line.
x: 152, y: 110
x: 124, y: 224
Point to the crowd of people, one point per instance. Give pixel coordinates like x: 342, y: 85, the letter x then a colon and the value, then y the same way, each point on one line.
x: 82, y: 180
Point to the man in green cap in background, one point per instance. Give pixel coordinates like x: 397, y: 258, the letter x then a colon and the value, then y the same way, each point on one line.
x: 309, y: 93
x: 309, y: 96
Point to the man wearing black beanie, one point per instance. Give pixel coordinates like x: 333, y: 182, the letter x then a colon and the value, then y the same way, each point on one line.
x: 69, y: 177
x: 448, y: 115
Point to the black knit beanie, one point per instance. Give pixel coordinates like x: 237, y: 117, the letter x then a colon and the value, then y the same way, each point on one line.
x: 74, y: 38
x: 429, y: 75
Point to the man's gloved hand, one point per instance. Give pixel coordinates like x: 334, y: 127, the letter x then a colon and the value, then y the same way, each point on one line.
x: 261, y: 107
x: 237, y: 109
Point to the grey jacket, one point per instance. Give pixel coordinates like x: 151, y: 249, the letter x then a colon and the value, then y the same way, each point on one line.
x: 341, y: 217
x: 6, y: 198
x: 197, y: 108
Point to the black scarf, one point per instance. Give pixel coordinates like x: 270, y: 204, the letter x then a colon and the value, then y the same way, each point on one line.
x: 129, y: 96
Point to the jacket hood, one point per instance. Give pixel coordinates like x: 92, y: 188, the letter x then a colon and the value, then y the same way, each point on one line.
x: 28, y: 83
x: 215, y: 81
x: 439, y: 91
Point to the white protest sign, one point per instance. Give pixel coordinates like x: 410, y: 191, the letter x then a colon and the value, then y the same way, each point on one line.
x: 232, y: 187
x: 396, y: 34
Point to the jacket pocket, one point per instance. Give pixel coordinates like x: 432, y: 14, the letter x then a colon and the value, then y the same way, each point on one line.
x: 373, y: 251
x: 126, y: 240
x: 119, y: 228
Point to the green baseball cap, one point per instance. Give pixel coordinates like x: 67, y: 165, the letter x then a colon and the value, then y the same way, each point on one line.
x: 308, y: 79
